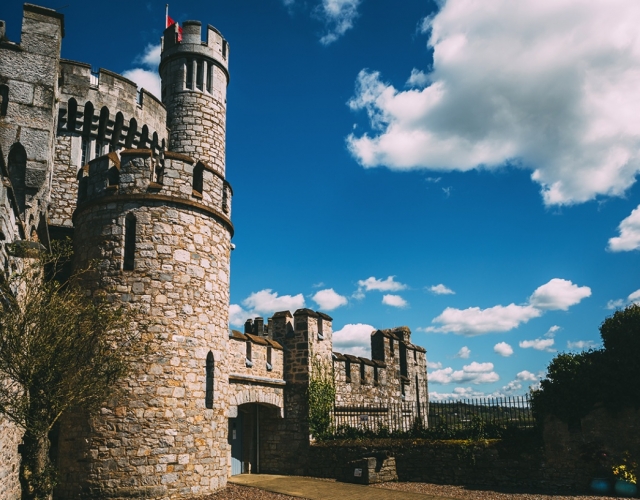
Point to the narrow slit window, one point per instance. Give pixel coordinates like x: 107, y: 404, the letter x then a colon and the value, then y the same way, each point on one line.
x: 209, y: 77
x: 224, y: 49
x: 269, y: 363
x: 129, y: 242
x: 189, y: 79
x: 198, y: 179
x: 347, y: 370
x: 391, y: 348
x: 4, y: 99
x: 376, y: 379
x: 208, y: 401
x: 225, y: 200
x: 200, y: 75
x: 320, y: 332
x: 363, y: 372
x: 249, y: 362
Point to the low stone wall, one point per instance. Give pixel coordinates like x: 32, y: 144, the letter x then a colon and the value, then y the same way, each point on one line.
x: 485, y: 464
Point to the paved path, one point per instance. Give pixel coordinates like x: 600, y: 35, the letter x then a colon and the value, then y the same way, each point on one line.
x: 317, y: 489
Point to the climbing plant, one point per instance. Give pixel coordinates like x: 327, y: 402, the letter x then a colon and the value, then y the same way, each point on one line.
x: 322, y: 396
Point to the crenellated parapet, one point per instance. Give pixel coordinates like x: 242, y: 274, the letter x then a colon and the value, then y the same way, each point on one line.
x: 139, y: 174
x: 98, y: 113
x: 397, y: 371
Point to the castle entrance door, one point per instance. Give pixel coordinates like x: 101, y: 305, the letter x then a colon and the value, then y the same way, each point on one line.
x: 235, y: 440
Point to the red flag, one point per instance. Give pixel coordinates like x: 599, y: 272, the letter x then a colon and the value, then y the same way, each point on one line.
x: 171, y: 22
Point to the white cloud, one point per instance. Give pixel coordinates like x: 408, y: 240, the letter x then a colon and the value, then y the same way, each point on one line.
x: 629, y: 230
x: 441, y: 290
x: 394, y: 300
x: 581, y: 345
x: 354, y: 339
x: 151, y: 56
x: 418, y: 78
x: 267, y: 302
x: 634, y: 297
x: 388, y: 285
x: 328, y: 299
x: 458, y: 393
x: 551, y: 332
x: 476, y: 321
x: 538, y: 344
x: 143, y: 78
x: 463, y: 353
x: 558, y: 294
x: 512, y: 386
x: 615, y: 304
x: 526, y: 375
x: 237, y: 315
x: 546, y: 86
x: 148, y: 78
x: 503, y: 349
x: 474, y: 373
x: 338, y: 17
x: 434, y: 365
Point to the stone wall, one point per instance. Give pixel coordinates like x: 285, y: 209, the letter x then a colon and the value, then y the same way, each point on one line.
x: 490, y: 465
x: 10, y: 437
x: 29, y: 75
x: 396, y: 374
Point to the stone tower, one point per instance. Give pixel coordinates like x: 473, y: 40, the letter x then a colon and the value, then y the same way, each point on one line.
x: 158, y: 223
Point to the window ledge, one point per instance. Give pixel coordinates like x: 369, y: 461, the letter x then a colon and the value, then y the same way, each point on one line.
x: 248, y: 363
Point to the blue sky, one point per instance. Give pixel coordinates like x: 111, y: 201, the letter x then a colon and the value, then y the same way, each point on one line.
x: 464, y: 168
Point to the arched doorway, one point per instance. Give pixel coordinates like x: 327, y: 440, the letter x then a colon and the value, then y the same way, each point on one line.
x: 250, y: 433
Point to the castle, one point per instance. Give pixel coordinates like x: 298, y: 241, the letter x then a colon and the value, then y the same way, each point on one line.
x: 140, y: 186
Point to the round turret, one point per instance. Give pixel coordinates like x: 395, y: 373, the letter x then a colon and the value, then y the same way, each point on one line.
x: 195, y: 76
x: 158, y: 224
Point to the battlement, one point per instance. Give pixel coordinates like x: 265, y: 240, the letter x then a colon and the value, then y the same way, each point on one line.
x: 167, y: 177
x: 214, y: 47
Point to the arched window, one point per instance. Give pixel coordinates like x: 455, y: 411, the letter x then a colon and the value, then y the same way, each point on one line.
x: 208, y: 399
x: 131, y: 134
x: 209, y: 76
x: 17, y: 173
x: 198, y: 179
x: 72, y: 115
x: 4, y: 99
x: 129, y: 242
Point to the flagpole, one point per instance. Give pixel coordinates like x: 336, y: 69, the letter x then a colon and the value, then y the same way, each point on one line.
x: 166, y: 16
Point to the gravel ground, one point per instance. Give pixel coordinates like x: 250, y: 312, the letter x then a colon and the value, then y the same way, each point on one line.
x: 234, y: 492
x: 468, y: 494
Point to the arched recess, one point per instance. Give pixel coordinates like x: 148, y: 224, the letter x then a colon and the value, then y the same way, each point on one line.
x: 17, y: 166
x: 131, y: 134
x: 72, y: 115
x: 154, y: 143
x: 255, y: 394
x: 117, y: 131
x: 88, y: 119
x: 144, y: 138
x: 102, y: 131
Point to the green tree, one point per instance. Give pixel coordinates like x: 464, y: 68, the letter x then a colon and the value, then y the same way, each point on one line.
x: 575, y: 382
x: 59, y: 349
